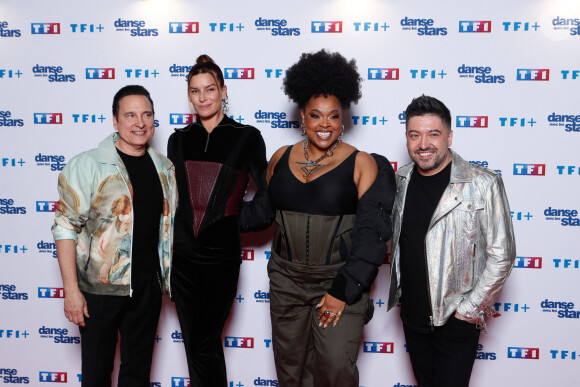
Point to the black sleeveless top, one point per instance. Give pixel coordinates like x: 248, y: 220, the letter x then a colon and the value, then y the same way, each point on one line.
x: 333, y: 193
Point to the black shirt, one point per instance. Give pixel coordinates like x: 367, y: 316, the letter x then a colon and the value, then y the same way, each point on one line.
x: 147, y: 210
x: 332, y: 193
x: 423, y: 195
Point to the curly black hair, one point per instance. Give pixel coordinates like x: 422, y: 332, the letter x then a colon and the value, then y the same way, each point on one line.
x: 323, y: 73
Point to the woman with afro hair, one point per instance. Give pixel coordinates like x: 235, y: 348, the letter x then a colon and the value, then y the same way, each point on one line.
x: 333, y: 206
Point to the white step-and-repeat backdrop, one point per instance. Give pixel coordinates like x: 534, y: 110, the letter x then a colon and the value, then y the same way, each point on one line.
x: 508, y: 70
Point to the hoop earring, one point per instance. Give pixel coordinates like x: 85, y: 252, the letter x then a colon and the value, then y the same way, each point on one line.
x: 302, y: 129
x: 339, y: 139
x: 225, y: 106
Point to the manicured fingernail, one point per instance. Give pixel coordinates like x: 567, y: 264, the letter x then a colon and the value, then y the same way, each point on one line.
x: 320, y: 324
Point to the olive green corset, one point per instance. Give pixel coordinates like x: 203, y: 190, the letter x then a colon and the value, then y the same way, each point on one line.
x: 312, y: 239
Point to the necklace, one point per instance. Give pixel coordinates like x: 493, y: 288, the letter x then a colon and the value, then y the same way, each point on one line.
x: 311, y: 166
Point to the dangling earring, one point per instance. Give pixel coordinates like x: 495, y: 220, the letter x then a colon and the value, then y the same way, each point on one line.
x: 302, y: 129
x: 339, y: 139
x: 225, y: 106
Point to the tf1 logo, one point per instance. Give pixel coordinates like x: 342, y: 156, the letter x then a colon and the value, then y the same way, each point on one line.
x: 384, y: 73
x: 239, y: 73
x: 533, y: 75
x: 52, y: 377
x: 48, y: 118
x: 181, y: 118
x: 523, y: 353
x: 50, y: 292
x: 325, y: 27
x: 183, y: 27
x: 44, y: 206
x: 471, y: 121
x: 377, y: 347
x: 100, y: 73
x: 528, y: 262
x: 45, y: 28
x: 247, y: 255
x: 530, y: 169
x: 239, y: 342
x: 180, y: 382
x: 475, y: 26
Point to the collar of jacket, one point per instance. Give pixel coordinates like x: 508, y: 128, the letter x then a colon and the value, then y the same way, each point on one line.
x: 460, y: 171
x: 452, y: 197
x: 108, y: 153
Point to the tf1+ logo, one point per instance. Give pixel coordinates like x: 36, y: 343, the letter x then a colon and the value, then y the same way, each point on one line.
x: 530, y: 169
x: 50, y: 292
x: 528, y: 262
x: 52, y: 377
x: 239, y: 73
x: 183, y: 27
x: 86, y: 28
x: 377, y: 73
x: 44, y: 206
x: 533, y: 75
x: 45, y: 28
x: 377, y: 347
x: 14, y: 334
x: 471, y: 121
x: 239, y: 342
x: 523, y: 353
x: 475, y: 26
x: 326, y: 27
x: 100, y: 73
x: 48, y: 118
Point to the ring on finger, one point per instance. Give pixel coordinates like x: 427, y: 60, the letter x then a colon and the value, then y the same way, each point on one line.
x: 327, y: 313
x: 339, y: 313
x: 333, y: 314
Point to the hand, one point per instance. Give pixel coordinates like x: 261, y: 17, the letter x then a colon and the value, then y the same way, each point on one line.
x: 75, y: 307
x: 330, y: 310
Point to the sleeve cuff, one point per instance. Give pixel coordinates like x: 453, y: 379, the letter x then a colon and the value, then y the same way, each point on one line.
x: 338, y: 287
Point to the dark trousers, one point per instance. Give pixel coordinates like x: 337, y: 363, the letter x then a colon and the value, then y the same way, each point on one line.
x: 444, y: 357
x: 135, y: 319
x: 305, y: 354
x: 203, y: 295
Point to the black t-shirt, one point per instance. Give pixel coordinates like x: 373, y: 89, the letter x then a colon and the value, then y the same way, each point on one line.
x: 423, y: 195
x: 147, y: 211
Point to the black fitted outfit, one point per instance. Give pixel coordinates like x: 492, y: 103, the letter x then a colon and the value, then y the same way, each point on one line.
x: 134, y: 317
x: 316, y: 230
x: 441, y: 356
x: 212, y: 171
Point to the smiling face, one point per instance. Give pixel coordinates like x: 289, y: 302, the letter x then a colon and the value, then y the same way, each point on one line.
x: 428, y: 143
x: 135, y: 124
x: 206, y: 96
x: 322, y: 117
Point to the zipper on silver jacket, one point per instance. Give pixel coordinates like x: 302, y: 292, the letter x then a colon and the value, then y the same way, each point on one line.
x: 431, y: 324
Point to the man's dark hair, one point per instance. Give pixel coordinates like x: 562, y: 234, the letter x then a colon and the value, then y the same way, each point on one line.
x: 425, y: 105
x: 130, y: 90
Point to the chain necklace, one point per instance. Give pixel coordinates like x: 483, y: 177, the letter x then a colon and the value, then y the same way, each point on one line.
x: 311, y: 166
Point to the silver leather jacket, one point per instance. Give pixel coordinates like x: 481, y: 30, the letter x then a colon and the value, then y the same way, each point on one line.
x: 470, y: 246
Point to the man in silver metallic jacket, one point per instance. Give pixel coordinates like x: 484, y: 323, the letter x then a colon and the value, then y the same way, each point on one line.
x: 451, y: 251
